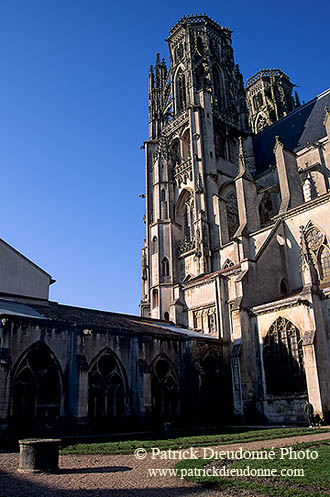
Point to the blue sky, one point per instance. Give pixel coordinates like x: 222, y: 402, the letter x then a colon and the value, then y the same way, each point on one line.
x: 73, y: 115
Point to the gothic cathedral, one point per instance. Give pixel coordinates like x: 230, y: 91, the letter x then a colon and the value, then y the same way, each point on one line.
x: 237, y: 231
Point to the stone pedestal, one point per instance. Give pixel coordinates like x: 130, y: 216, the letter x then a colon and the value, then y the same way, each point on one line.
x: 38, y: 455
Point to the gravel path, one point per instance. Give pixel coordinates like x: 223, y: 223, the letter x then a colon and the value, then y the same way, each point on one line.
x: 119, y: 475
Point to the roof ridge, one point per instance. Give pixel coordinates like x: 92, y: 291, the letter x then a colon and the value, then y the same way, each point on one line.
x: 325, y: 92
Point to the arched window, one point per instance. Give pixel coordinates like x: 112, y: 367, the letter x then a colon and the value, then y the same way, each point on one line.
x: 324, y: 263
x: 266, y: 210
x: 166, y: 316
x: 181, y: 99
x: 186, y: 146
x: 165, y: 267
x: 106, y: 388
x: 212, y: 322
x: 283, y: 359
x: 261, y: 123
x: 37, y: 386
x: 155, y: 298
x: 162, y: 195
x: 175, y: 152
x: 318, y: 246
x: 220, y: 142
x: 165, y: 391
x: 184, y: 216
x: 232, y: 214
x: 154, y: 246
x: 218, y: 97
x: 200, y: 46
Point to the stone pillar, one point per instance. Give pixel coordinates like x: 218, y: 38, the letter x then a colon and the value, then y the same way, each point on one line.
x: 312, y: 379
x: 237, y: 381
x: 82, y: 390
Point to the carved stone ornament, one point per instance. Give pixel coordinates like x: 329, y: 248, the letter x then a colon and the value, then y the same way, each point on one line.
x: 186, y: 245
x: 183, y: 172
x: 162, y: 150
x: 308, y: 338
x: 314, y: 239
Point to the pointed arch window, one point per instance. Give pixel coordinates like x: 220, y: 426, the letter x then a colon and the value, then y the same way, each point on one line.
x: 175, y: 152
x: 188, y: 220
x: 261, y: 123
x: 181, y: 98
x: 37, y: 386
x: 283, y: 359
x: 232, y: 214
x: 217, y: 85
x: 165, y: 391
x: 186, y: 146
x: 319, y: 251
x: 106, y: 388
x: 154, y: 245
x: 165, y: 267
x: 324, y: 263
x: 266, y: 210
x: 155, y: 298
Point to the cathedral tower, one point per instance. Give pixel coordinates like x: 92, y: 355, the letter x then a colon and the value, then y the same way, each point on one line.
x: 269, y: 97
x: 197, y: 112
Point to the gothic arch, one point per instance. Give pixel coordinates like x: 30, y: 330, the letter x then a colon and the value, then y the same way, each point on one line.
x: 184, y: 214
x: 108, y: 388
x: 175, y: 151
x: 283, y: 359
x: 232, y: 213
x: 180, y: 90
x: 218, y: 86
x: 227, y: 264
x: 185, y: 142
x: 266, y: 209
x: 319, y: 249
x: 154, y: 245
x: 164, y: 389
x: 37, y: 385
x: 260, y: 122
x: 165, y: 267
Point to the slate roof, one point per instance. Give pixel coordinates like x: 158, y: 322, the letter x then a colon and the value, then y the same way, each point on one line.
x: 17, y: 309
x: 92, y: 319
x: 295, y: 130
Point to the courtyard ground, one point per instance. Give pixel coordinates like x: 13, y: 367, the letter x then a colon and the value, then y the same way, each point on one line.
x: 124, y: 475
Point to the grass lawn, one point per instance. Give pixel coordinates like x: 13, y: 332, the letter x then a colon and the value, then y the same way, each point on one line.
x: 307, y: 477
x: 225, y: 436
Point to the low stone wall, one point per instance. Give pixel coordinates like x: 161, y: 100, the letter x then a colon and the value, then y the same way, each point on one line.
x: 283, y: 410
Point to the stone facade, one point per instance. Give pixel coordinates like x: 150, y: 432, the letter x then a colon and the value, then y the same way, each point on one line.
x: 269, y: 97
x: 237, y: 227
x: 66, y: 368
x: 235, y: 270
